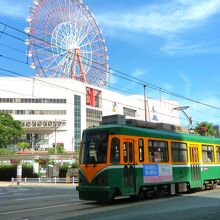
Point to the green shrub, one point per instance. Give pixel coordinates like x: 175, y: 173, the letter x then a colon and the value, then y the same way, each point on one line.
x: 9, y: 171
x: 63, y: 170
x: 75, y: 164
x: 59, y: 149
x: 6, y: 151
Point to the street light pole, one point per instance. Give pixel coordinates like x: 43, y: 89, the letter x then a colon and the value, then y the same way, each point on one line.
x: 182, y: 108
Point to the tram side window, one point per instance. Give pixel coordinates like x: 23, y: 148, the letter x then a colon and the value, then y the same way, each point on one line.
x: 125, y: 149
x: 128, y: 152
x: 218, y: 153
x: 207, y: 153
x: 158, y: 151
x: 179, y: 152
x: 115, y: 150
x: 131, y: 153
x: 141, y: 149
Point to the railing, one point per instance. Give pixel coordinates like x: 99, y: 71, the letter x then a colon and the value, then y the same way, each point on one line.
x: 54, y: 180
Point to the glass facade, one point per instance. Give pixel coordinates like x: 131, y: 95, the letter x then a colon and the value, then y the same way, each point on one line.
x: 77, y: 121
x: 93, y: 117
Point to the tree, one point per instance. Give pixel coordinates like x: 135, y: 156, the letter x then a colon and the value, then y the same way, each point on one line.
x: 23, y: 145
x: 205, y: 128
x: 10, y: 129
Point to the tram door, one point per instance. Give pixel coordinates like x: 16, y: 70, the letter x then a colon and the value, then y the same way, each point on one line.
x: 195, y: 166
x: 129, y: 166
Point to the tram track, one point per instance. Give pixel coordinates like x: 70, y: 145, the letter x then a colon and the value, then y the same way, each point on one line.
x: 69, y: 207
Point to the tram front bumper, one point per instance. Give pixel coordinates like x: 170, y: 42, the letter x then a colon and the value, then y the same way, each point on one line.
x: 96, y: 193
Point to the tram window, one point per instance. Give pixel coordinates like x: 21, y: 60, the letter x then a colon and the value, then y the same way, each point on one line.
x: 115, y: 150
x: 141, y: 149
x: 158, y: 151
x: 218, y: 153
x: 131, y: 154
x: 207, y: 153
x: 128, y: 152
x: 125, y: 150
x: 94, y: 148
x: 179, y: 152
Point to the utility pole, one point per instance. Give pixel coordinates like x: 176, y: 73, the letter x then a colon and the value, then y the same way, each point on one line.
x: 72, y: 142
x: 55, y: 144
x: 32, y: 142
x: 145, y: 102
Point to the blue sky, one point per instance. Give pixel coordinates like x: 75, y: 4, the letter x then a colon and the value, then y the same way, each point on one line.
x: 173, y: 44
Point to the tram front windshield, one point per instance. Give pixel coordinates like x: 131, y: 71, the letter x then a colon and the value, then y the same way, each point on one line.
x: 94, y: 148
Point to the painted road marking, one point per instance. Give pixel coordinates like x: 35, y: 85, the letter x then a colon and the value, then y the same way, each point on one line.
x: 42, y: 197
x: 20, y: 194
x: 40, y: 208
x: 35, y: 209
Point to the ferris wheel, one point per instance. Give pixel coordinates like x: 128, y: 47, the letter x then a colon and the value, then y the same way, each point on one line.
x: 65, y: 41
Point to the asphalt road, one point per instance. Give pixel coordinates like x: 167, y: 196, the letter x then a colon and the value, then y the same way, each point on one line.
x: 54, y: 202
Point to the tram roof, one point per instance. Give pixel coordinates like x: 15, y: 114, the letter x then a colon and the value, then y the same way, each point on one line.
x: 153, y: 133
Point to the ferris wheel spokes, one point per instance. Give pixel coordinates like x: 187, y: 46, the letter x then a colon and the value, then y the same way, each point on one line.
x: 66, y: 42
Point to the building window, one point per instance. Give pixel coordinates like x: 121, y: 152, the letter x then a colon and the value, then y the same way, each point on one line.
x: 129, y: 112
x: 179, y: 152
x: 93, y: 117
x: 34, y: 112
x: 77, y: 121
x: 31, y: 100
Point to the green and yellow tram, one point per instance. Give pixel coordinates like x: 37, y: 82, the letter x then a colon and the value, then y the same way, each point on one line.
x: 121, y: 160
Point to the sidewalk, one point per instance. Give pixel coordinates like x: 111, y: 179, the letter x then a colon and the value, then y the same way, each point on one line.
x: 11, y: 184
x: 5, y: 184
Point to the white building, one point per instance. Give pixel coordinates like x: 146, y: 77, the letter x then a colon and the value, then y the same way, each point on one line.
x: 55, y: 111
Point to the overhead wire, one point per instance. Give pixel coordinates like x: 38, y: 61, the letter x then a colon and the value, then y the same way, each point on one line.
x: 134, y: 79
x: 55, y: 85
x: 22, y: 75
x: 83, y: 93
x: 122, y: 74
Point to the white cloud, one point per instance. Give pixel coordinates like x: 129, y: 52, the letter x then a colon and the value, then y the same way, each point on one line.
x: 187, y: 84
x: 201, y: 112
x: 179, y: 47
x: 167, y: 86
x: 162, y: 19
x: 172, y: 21
x: 113, y: 79
x: 132, y: 86
x: 138, y: 73
x: 17, y: 9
